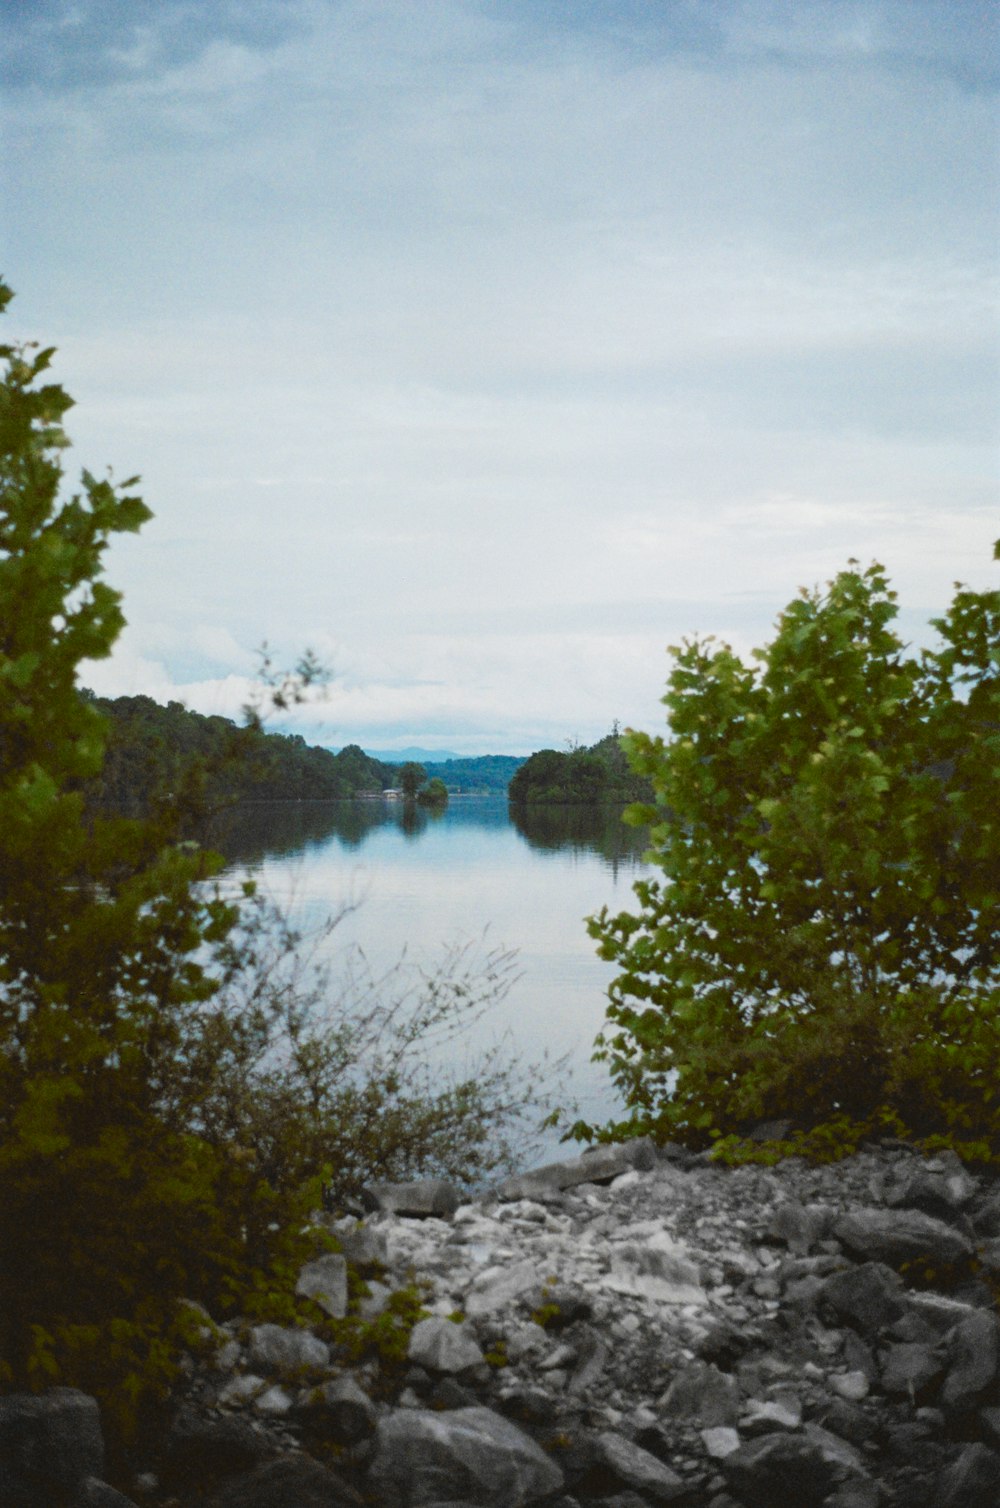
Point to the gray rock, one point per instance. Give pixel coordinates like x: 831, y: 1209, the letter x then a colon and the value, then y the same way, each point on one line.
x: 855, y: 1494
x: 442, y: 1346
x: 910, y: 1369
x: 700, y: 1391
x: 591, y: 1360
x: 281, y: 1348
x: 361, y: 1244
x: 720, y: 1441
x: 655, y: 1267
x: 868, y: 1297
x: 94, y: 1493
x: 986, y: 1219
x: 989, y: 1418
x: 498, y: 1286
x: 636, y: 1468
x: 780, y: 1468
x: 52, y: 1438
x: 422, y: 1199
x: 199, y: 1447
x: 898, y: 1236
x: 339, y: 1411
x: 798, y: 1226
x: 325, y: 1282
x: 971, y: 1481
x: 974, y: 1347
x: 292, y: 1481
x: 598, y: 1165
x: 423, y: 1458
x: 836, y: 1451
x: 764, y: 1415
x: 939, y: 1186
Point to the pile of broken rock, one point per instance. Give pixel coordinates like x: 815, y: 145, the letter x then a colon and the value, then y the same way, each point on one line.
x: 636, y: 1326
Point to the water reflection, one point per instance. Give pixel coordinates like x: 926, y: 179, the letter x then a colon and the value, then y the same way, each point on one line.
x: 525, y: 880
x: 582, y: 829
x: 254, y: 831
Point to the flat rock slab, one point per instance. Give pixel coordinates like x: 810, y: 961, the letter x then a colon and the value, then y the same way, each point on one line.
x: 325, y: 1282
x: 424, y: 1199
x: 638, y: 1469
x: 600, y: 1165
x: 466, y: 1455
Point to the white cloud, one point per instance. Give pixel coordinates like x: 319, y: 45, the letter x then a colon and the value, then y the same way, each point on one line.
x: 496, y: 364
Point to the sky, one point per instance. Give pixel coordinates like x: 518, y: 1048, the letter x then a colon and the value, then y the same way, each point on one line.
x: 489, y: 347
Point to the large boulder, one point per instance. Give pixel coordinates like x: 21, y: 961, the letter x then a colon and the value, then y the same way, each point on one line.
x: 974, y: 1356
x: 867, y: 1298
x: 971, y: 1481
x: 781, y: 1468
x: 466, y: 1455
x: 898, y: 1236
x: 50, y: 1442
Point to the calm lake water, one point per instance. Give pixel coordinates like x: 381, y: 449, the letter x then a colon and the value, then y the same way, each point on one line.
x: 473, y: 871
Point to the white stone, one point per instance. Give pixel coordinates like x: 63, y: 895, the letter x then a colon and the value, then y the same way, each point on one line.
x: 443, y: 1346
x: 720, y: 1441
x: 850, y: 1385
x: 242, y: 1389
x: 498, y: 1286
x: 274, y: 1401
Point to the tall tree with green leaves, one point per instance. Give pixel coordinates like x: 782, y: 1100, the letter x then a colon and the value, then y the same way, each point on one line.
x: 822, y: 940
x: 411, y: 778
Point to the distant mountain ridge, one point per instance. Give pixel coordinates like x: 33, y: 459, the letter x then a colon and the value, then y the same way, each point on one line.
x: 412, y: 755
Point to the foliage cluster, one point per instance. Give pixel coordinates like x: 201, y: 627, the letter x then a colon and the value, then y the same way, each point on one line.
x: 823, y: 940
x: 175, y: 1072
x: 589, y: 776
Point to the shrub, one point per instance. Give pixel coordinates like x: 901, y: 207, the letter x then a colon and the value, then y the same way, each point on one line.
x: 823, y: 941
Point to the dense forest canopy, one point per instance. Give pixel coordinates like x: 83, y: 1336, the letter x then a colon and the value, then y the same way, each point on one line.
x: 153, y: 752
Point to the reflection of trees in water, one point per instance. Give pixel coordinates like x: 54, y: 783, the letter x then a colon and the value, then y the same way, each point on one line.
x: 252, y: 830
x: 591, y: 829
x: 249, y: 831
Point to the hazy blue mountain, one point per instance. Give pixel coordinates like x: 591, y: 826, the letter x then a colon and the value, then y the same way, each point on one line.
x: 413, y: 755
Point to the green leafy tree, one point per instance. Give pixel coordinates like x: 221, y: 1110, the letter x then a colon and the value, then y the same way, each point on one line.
x: 411, y: 778
x: 434, y: 793
x: 823, y: 940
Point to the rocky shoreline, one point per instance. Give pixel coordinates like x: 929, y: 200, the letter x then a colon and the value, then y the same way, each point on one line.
x: 636, y: 1326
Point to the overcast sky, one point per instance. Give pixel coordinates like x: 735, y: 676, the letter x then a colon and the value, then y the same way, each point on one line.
x: 489, y: 346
